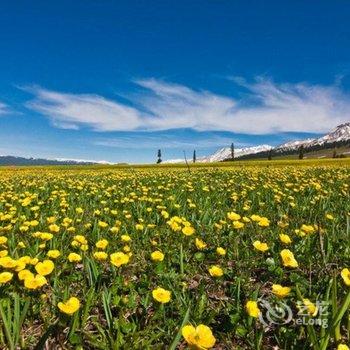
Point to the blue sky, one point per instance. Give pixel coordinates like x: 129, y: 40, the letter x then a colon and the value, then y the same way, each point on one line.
x: 116, y: 80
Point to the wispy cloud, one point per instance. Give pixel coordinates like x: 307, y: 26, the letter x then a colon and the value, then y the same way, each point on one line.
x: 71, y: 111
x: 266, y: 107
x: 152, y: 141
x: 4, y: 109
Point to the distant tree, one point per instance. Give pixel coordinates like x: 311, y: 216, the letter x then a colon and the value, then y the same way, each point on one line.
x: 232, y: 151
x: 301, y: 152
x: 194, y: 156
x: 334, y: 153
x: 269, y: 157
x: 159, y: 155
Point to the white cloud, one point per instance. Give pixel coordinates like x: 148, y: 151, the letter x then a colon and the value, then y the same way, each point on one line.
x: 164, y: 141
x: 71, y: 111
x: 3, y: 108
x: 268, y: 107
x: 175, y: 106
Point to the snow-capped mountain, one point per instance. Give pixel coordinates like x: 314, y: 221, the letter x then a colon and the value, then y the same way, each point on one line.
x: 293, y: 145
x: 340, y: 133
x: 225, y: 153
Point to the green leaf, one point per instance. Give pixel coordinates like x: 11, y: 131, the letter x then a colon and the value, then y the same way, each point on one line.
x: 178, y: 334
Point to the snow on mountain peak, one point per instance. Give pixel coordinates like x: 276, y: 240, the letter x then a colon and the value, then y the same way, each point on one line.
x: 340, y: 133
x: 225, y: 153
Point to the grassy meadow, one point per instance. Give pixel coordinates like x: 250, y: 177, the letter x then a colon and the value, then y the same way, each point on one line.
x: 243, y: 255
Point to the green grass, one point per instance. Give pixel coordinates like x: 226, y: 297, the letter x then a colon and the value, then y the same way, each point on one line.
x: 117, y: 308
x: 237, y: 163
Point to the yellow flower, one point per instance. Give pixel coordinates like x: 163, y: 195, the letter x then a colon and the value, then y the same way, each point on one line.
x: 200, y: 244
x: 74, y: 257
x: 54, y: 228
x: 157, y: 256
x: 165, y: 214
x: 237, y: 224
x: 3, y: 240
x: 285, y: 238
x: 233, y: 216
x: 115, y: 229
x: 45, y: 236
x: 5, y: 277
x: 216, y: 271
x: 32, y: 282
x: 33, y: 261
x: 200, y: 337
x: 53, y: 254
x: 26, y: 201
x: 51, y: 220
x: 280, y: 291
x: 101, y: 244
x: 44, y: 268
x: 221, y: 251
x: 161, y: 295
x: 26, y: 259
x: 70, y: 306
x: 174, y: 225
x: 342, y: 347
x: 84, y: 247
x: 345, y: 274
x: 75, y: 244
x: 307, y: 229
x: 24, y: 228
x: 252, y: 308
x: 256, y: 218
x: 102, y: 224
x: 288, y: 258
x: 311, y: 307
x: 329, y: 217
x: 23, y: 274
x: 79, y: 210
x: 20, y: 265
x: 80, y: 239
x: 125, y: 238
x: 100, y: 256
x: 139, y: 227
x: 263, y: 247
x: 126, y: 249
x: 264, y: 222
x: 8, y: 262
x: 188, y: 230
x: 119, y: 258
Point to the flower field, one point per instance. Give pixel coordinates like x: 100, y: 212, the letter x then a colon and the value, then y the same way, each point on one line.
x: 169, y: 258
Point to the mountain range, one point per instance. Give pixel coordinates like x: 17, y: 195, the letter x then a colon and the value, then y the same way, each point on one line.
x: 13, y: 160
x: 340, y: 136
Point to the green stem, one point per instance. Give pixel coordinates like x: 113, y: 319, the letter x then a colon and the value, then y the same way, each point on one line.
x: 310, y: 329
x: 181, y: 260
x: 337, y: 319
